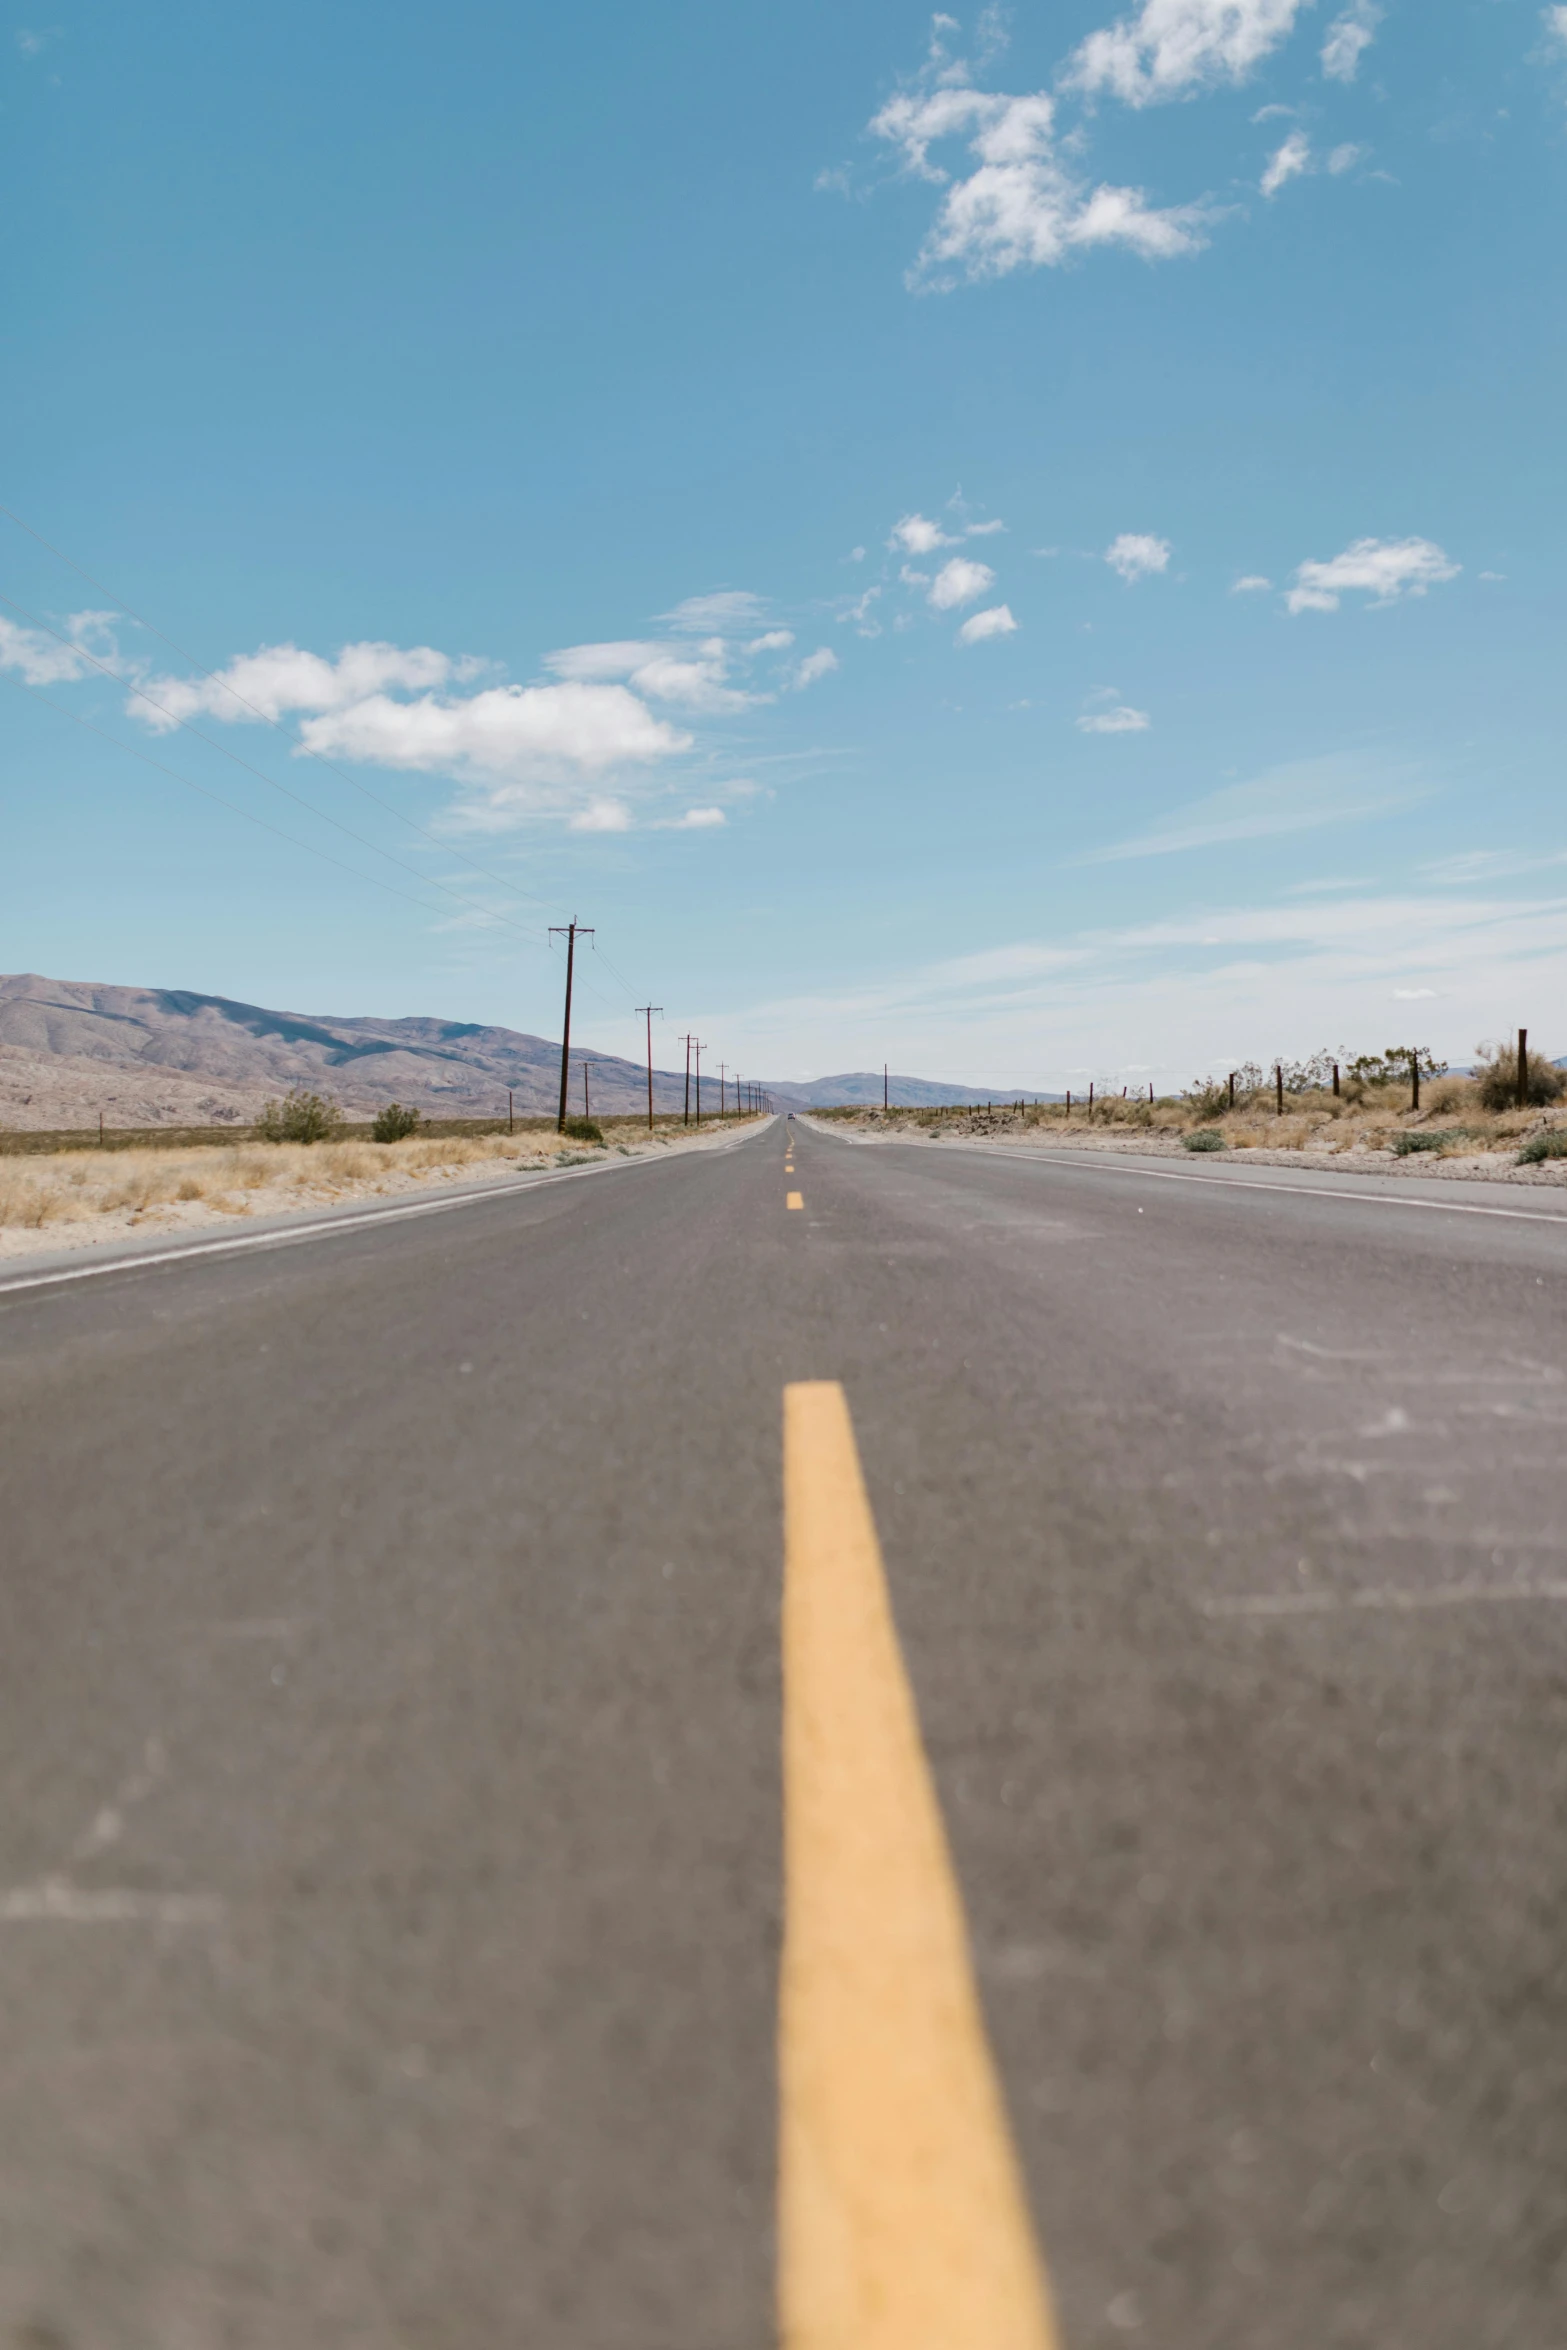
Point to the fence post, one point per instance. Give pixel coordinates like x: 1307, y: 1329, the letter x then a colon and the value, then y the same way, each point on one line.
x: 1278, y: 1071
x: 1335, y: 1081
x: 1232, y: 1089
x: 1414, y: 1080
x: 1523, y: 1068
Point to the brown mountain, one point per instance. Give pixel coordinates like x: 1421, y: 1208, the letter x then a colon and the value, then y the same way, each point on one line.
x: 151, y: 1056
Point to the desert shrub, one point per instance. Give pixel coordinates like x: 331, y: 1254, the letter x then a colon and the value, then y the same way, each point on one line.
x: 299, y: 1117
x: 1496, y: 1078
x: 1544, y: 1146
x: 1425, y: 1138
x: 583, y: 1130
x: 395, y: 1123
x: 1205, y: 1139
x: 1392, y: 1065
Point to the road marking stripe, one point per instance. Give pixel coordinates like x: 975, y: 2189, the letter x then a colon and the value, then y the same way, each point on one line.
x: 1379, y: 1595
x: 796, y: 1199
x: 902, y: 2219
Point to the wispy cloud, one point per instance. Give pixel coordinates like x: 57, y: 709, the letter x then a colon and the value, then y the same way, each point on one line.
x: 1349, y: 37
x: 1119, y: 718
x: 1287, y: 163
x: 38, y: 658
x: 1383, y: 569
x: 1251, y: 583
x: 821, y: 663
x: 1197, y: 991
x: 1300, y: 797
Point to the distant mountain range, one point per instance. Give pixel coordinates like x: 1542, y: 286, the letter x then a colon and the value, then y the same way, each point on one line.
x: 148, y: 1056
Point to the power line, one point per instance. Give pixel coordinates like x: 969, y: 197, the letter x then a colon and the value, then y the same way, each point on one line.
x: 266, y: 717
x: 233, y: 806
x: 429, y: 881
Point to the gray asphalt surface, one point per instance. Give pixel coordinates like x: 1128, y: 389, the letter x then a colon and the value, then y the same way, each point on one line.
x: 389, y: 1864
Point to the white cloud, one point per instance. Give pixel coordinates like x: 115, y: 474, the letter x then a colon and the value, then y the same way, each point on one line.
x: 1173, y: 48
x: 856, y: 555
x: 33, y: 41
x: 1298, y: 797
x: 1023, y: 207
x: 1122, y: 719
x: 998, y: 621
x: 39, y: 659
x: 602, y: 816
x: 776, y: 640
x: 694, y: 679
x: 586, y: 663
x: 278, y: 679
x: 1555, y: 21
x: 1253, y: 583
x: 1345, y: 158
x: 959, y: 581
x: 728, y: 608
x: 1288, y: 163
x: 982, y: 530
x: 1349, y: 36
x: 1384, y: 569
x: 1138, y: 555
x: 821, y: 663
x: 701, y: 819
x: 915, y: 535
x: 528, y: 748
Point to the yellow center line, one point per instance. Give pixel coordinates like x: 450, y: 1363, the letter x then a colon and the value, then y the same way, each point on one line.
x: 902, y: 2223
x: 795, y: 1199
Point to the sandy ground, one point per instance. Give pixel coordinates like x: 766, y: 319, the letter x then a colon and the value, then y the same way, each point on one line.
x: 1338, y: 1149
x: 86, y: 1198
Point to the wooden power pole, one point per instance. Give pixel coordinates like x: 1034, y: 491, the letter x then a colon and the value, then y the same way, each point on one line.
x: 649, y: 1010
x: 570, y: 932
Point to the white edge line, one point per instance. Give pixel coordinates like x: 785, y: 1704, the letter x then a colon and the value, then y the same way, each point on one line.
x: 329, y: 1226
x: 1321, y: 1603
x: 1375, y: 1199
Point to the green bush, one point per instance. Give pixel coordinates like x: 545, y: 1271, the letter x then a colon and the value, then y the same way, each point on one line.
x: 1427, y: 1139
x: 299, y: 1117
x: 1544, y: 1146
x: 1205, y: 1139
x: 1496, y: 1076
x: 395, y: 1123
x: 583, y: 1130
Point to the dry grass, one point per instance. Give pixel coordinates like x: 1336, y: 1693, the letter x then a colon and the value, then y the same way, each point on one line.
x: 1363, y: 1120
x: 86, y: 1195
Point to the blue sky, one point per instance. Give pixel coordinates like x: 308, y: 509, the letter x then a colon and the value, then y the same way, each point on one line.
x: 1026, y: 545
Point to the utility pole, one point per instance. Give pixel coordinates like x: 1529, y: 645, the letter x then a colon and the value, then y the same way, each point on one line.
x: 884, y: 1103
x: 696, y: 1045
x: 586, y: 1110
x: 688, y: 1042
x: 570, y: 932
x: 509, y: 1118
x: 722, y: 1067
x: 649, y: 1010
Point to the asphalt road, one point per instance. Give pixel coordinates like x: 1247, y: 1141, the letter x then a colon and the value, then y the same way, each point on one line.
x: 390, y: 1855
